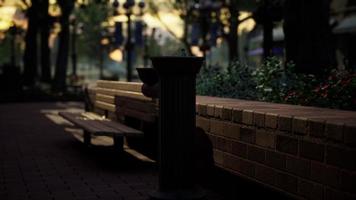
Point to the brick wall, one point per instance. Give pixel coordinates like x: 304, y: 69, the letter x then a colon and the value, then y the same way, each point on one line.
x: 303, y: 151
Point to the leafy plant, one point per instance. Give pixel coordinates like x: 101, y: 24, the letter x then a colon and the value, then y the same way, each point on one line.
x: 235, y: 82
x: 274, y: 82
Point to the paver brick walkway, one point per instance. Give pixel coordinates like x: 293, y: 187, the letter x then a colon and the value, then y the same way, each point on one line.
x: 40, y: 160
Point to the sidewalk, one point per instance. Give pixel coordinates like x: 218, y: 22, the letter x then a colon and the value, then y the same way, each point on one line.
x: 40, y: 159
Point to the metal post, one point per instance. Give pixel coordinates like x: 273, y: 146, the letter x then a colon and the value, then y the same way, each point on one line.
x: 129, y: 47
x: 74, y: 53
x: 101, y: 62
x: 176, y: 126
x: 13, y: 46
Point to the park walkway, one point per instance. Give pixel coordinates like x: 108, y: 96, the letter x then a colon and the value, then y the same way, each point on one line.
x: 40, y: 159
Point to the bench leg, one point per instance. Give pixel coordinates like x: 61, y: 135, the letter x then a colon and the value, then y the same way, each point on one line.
x: 87, y: 138
x: 119, y: 143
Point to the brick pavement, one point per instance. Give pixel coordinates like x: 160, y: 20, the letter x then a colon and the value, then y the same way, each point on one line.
x: 39, y: 160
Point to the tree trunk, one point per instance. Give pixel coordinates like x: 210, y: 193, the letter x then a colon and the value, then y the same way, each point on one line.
x: 63, y: 47
x: 233, y: 36
x: 308, y: 35
x: 45, y: 50
x: 267, y: 38
x: 30, y: 54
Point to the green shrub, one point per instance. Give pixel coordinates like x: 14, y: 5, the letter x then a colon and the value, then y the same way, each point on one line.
x: 235, y: 82
x: 274, y: 82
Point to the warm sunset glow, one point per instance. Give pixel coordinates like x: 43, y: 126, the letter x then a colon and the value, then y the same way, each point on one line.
x: 6, y: 17
x: 104, y: 41
x: 247, y: 25
x: 196, y: 51
x: 116, y: 55
x: 54, y: 10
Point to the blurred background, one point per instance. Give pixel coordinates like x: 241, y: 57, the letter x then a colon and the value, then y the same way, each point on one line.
x: 57, y: 46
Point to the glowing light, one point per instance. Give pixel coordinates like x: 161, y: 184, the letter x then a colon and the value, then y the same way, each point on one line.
x: 6, y: 15
x: 196, y: 51
x: 104, y: 41
x: 247, y: 25
x: 54, y: 10
x: 121, y: 18
x: 2, y: 36
x: 174, y: 22
x: 116, y: 55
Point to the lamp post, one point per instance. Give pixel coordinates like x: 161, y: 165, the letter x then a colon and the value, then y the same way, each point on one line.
x: 73, y: 45
x: 13, y: 32
x: 206, y: 13
x: 128, y: 6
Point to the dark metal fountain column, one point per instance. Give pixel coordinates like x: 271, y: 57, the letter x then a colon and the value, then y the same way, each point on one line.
x: 176, y: 126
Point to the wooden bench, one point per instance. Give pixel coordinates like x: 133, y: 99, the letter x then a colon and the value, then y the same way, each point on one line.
x: 113, y: 104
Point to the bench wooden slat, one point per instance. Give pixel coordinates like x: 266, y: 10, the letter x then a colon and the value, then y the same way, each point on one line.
x: 100, y: 127
x: 135, y: 104
x: 114, y: 92
x: 87, y: 125
x: 105, y: 98
x: 91, y: 115
x: 127, y: 131
x: 148, y: 117
x: 105, y: 106
x: 120, y: 85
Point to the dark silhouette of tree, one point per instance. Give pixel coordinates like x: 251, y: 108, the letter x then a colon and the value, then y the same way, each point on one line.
x: 267, y: 13
x: 233, y: 37
x: 59, y: 83
x: 30, y: 54
x: 45, y: 23
x: 308, y: 41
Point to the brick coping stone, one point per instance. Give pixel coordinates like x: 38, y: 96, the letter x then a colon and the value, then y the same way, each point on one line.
x: 333, y: 124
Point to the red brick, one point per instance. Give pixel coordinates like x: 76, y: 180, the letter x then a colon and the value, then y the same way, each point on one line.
x: 348, y: 181
x: 275, y: 160
x: 350, y: 135
x: 316, y: 128
x: 265, y: 139
x: 203, y: 123
x: 239, y: 149
x: 287, y: 144
x: 237, y: 115
x: 341, y: 157
x: 334, y: 132
x: 284, y: 123
x: 248, y: 135
x: 286, y: 182
x: 310, y: 190
x: 247, y: 117
x: 227, y: 114
x: 231, y: 130
x: 259, y: 119
x: 222, y: 144
x: 265, y: 174
x: 325, y: 174
x: 216, y: 127
x: 230, y: 161
x: 297, y: 166
x: 218, y: 157
x: 239, y: 165
x: 210, y: 110
x: 218, y: 111
x: 256, y: 154
x: 311, y: 150
x: 271, y: 120
x: 202, y: 110
x: 299, y: 125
